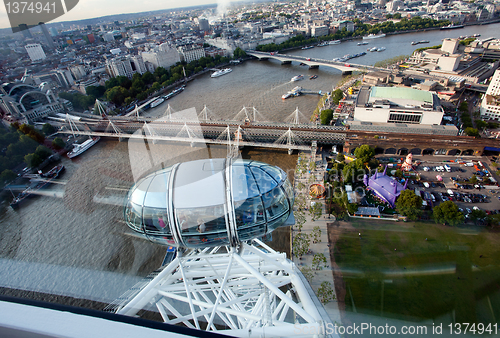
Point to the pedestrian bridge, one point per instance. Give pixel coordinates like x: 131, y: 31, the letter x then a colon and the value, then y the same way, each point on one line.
x: 344, y: 67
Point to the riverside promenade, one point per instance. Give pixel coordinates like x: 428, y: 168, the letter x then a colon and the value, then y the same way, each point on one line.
x: 322, y: 246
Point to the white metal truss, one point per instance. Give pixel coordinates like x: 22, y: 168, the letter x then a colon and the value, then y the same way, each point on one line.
x: 295, y: 117
x: 249, y: 291
x: 207, y: 115
x: 72, y: 125
x: 249, y: 114
x: 169, y: 112
x: 189, y: 132
x: 113, y: 126
x: 99, y: 108
x: 289, y: 139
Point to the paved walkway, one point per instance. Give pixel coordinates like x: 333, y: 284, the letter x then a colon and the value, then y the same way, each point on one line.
x: 321, y: 247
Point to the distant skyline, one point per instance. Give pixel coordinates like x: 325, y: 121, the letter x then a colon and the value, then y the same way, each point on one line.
x: 88, y: 9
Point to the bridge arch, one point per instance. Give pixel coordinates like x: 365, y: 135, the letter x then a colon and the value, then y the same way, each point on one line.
x: 391, y: 151
x: 416, y: 151
x: 441, y: 151
x: 428, y: 151
x: 468, y: 152
x: 454, y: 152
x: 403, y: 151
x: 379, y: 151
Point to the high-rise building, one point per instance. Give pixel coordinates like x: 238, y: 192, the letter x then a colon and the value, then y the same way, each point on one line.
x: 35, y: 52
x: 126, y: 66
x: 25, y: 31
x: 45, y: 32
x: 162, y: 56
x: 490, y: 106
x: 203, y: 25
x: 53, y: 31
x: 191, y: 52
x: 91, y: 38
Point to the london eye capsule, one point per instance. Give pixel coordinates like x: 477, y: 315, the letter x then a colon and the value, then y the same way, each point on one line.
x: 210, y: 202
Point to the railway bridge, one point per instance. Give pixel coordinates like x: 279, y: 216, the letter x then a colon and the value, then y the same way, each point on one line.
x: 344, y: 67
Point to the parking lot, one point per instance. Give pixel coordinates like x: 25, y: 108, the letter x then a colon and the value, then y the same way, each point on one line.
x: 436, y: 183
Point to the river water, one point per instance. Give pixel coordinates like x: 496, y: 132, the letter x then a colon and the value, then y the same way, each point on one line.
x: 73, y: 240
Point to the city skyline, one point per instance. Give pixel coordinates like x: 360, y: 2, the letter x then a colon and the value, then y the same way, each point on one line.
x: 86, y: 9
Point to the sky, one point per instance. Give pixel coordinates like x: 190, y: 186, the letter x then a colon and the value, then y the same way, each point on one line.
x: 86, y: 9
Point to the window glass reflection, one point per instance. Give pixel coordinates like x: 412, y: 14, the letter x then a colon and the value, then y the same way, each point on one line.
x: 289, y: 191
x: 156, y: 220
x: 249, y: 212
x: 133, y: 216
x: 277, y: 222
x: 201, y: 220
x: 243, y: 184
x: 275, y: 172
x: 251, y: 232
x: 264, y: 181
x: 275, y: 203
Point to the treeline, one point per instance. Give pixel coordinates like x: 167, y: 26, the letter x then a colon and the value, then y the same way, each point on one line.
x: 361, y: 29
x: 20, y: 143
x: 82, y: 102
x: 122, y: 90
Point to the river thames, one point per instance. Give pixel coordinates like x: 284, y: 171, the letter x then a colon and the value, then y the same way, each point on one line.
x: 74, y: 242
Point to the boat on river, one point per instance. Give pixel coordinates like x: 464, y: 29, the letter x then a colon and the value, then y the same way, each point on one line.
x: 40, y: 181
x: 297, y: 78
x: 157, y: 102
x: 221, y: 72
x: 79, y: 149
x: 373, y: 36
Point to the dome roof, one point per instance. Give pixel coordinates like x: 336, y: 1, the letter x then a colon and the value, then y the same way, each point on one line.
x: 210, y: 202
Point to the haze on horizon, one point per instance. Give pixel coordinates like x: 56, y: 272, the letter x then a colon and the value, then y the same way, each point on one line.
x: 88, y: 9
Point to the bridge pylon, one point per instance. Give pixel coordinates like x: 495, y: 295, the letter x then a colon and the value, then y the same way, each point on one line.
x: 289, y: 139
x: 207, y: 115
x: 150, y: 132
x: 295, y: 117
x: 99, y: 108
x: 72, y: 125
x: 249, y: 115
x: 169, y: 112
x: 187, y: 131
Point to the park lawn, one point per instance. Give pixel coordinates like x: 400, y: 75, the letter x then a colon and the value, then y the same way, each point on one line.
x: 454, y: 269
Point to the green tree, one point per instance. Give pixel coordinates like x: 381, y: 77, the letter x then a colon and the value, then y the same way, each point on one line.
x: 43, y: 152
x: 95, y: 91
x: 326, y: 116
x: 300, y: 219
x: 352, y: 208
x: 340, y: 157
x: 409, y: 204
x: 239, y: 53
x: 364, y: 153
x: 480, y: 124
x: 48, y: 129
x: 7, y: 175
x: 319, y: 261
x: 325, y: 292
x: 477, y: 215
x: 315, y: 211
x: 448, y: 213
x: 471, y: 131
x: 58, y: 143
x: 316, y: 234
x: 32, y: 160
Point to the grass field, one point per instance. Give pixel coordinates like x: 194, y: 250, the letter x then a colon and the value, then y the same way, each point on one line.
x: 421, y: 271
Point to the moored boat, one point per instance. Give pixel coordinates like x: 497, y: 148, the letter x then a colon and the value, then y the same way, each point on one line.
x: 373, y: 36
x: 221, y: 72
x: 334, y: 42
x: 79, y: 149
x: 157, y: 102
x: 362, y: 43
x: 40, y: 181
